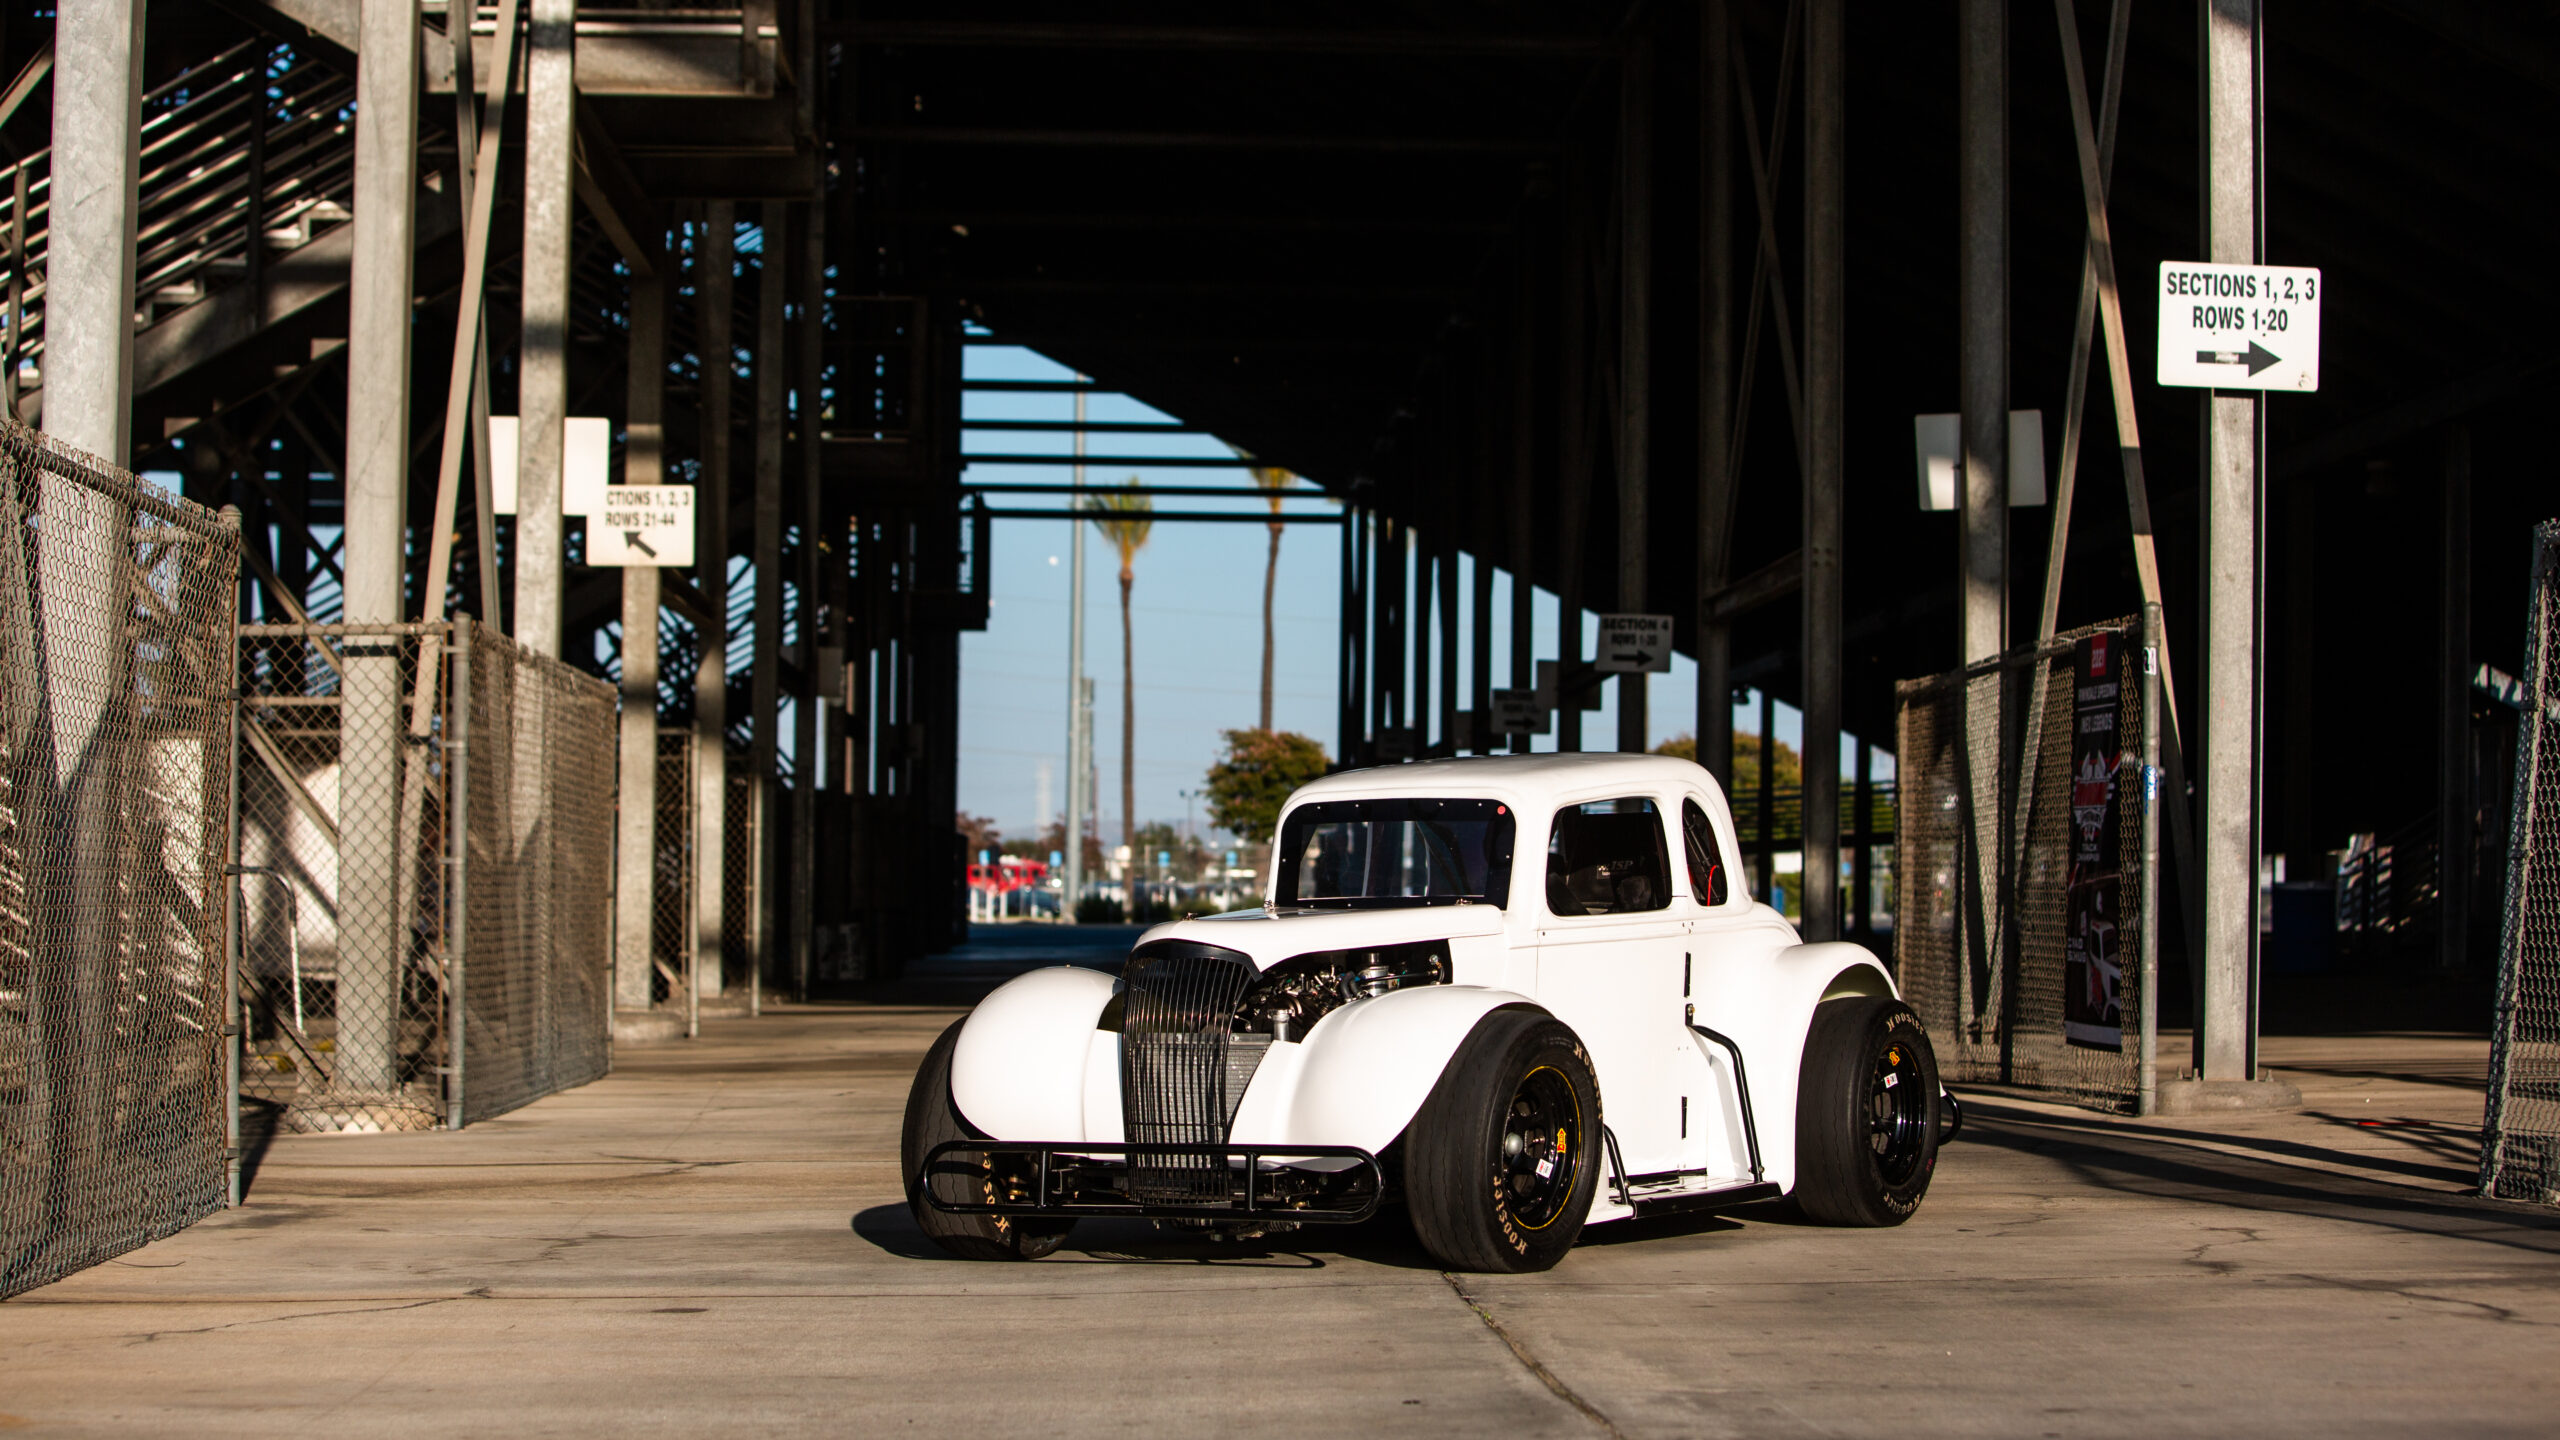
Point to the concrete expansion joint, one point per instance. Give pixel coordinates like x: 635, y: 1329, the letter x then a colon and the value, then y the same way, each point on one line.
x: 1554, y: 1383
x: 2222, y: 1097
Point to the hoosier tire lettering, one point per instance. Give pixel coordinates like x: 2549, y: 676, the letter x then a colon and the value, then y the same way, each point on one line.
x: 1501, y: 1161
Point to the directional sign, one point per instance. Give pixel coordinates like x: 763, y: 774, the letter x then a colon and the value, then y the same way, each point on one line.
x: 586, y: 462
x: 642, y: 525
x: 2239, y: 327
x: 1517, y: 712
x: 1634, y: 644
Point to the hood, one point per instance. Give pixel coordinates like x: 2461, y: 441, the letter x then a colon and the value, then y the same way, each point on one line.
x: 1271, y: 938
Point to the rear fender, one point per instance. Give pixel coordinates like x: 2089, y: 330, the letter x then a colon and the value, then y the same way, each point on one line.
x: 1021, y: 1067
x: 1767, y: 1008
x: 1361, y: 1074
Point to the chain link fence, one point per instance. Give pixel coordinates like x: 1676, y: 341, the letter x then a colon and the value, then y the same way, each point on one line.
x: 743, y: 820
x: 2520, y: 1137
x: 344, y: 938
x: 671, y: 898
x: 539, y: 751
x: 425, y: 882
x: 2019, y: 904
x: 115, y: 788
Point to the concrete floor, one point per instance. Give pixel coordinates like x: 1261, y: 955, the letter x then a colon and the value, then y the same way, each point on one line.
x: 711, y: 1240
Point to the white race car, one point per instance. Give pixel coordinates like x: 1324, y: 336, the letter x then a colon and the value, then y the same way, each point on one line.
x: 1425, y: 1010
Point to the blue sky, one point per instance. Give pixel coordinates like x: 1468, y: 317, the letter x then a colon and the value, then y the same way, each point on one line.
x: 1195, y: 615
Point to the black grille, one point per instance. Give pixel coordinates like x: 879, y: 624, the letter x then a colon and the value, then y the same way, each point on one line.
x: 1174, y: 1078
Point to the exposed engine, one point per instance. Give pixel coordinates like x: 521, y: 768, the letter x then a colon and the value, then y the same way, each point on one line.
x: 1289, y: 998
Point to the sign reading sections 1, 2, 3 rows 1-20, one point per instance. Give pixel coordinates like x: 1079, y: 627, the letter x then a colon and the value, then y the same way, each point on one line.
x: 642, y: 525
x: 2239, y: 327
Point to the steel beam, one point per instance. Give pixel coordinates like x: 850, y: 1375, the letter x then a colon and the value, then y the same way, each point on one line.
x: 542, y: 404
x: 714, y: 261
x: 1237, y: 39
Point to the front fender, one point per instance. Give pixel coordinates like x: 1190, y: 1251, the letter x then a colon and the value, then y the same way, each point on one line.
x: 1364, y: 1070
x: 1767, y: 1008
x: 1019, y: 1070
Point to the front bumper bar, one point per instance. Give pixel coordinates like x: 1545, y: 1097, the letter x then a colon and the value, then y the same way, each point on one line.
x: 1056, y: 1167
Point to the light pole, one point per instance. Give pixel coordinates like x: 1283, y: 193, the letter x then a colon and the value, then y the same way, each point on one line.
x: 1079, y: 709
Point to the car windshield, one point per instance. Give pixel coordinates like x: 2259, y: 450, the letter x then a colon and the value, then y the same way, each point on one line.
x: 1377, y: 854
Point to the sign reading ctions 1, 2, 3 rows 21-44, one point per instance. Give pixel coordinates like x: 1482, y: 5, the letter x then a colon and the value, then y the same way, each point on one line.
x: 2239, y: 327
x: 642, y: 525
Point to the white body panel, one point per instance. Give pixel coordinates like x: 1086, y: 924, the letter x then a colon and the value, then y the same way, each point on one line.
x: 1032, y: 1064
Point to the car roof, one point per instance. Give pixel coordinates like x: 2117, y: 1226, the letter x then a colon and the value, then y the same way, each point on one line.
x: 1529, y: 778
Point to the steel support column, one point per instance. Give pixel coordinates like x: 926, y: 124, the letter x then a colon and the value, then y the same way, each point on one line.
x: 2229, y: 809
x: 542, y: 391
x: 770, y: 368
x: 809, y: 337
x: 1982, y: 341
x: 636, y: 831
x: 376, y: 517
x: 1826, y: 424
x: 97, y: 171
x: 714, y: 257
x: 2453, y: 740
x: 1715, y: 387
x: 1523, y: 497
x: 1635, y: 361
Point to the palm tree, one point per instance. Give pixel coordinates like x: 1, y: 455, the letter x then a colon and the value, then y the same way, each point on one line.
x: 1123, y: 521
x: 1271, y: 480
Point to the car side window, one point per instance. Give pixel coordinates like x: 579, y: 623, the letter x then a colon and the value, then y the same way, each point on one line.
x: 1706, y: 859
x: 1608, y: 858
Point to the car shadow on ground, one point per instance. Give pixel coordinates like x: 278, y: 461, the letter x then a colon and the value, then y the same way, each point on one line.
x: 1386, y: 1239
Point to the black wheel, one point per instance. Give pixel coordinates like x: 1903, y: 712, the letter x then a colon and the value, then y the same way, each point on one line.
x: 932, y: 1120
x: 1866, y: 1113
x: 1502, y: 1160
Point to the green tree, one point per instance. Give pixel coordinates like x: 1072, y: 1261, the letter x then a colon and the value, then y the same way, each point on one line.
x: 1123, y: 521
x: 1746, y: 763
x: 1259, y: 771
x: 981, y: 832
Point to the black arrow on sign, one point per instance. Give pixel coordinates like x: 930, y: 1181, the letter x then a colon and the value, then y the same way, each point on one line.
x: 632, y: 538
x: 2256, y: 357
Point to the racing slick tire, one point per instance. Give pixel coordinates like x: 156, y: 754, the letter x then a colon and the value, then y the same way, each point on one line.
x: 1502, y: 1160
x: 1866, y: 1113
x: 933, y: 1120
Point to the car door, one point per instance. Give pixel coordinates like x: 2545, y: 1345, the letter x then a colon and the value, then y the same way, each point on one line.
x: 1609, y: 964
x: 1701, y: 1071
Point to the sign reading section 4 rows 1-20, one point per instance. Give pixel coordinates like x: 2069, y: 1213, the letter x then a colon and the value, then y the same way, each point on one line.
x: 2239, y: 327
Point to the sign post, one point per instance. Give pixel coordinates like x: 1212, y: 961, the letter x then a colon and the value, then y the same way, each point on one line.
x: 642, y: 525
x: 2239, y: 327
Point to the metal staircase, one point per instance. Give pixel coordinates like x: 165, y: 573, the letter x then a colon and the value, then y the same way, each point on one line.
x: 246, y: 160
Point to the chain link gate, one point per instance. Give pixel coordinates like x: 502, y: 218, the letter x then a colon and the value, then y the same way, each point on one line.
x: 2030, y: 982
x: 115, y: 789
x: 2520, y: 1135
x: 424, y: 885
